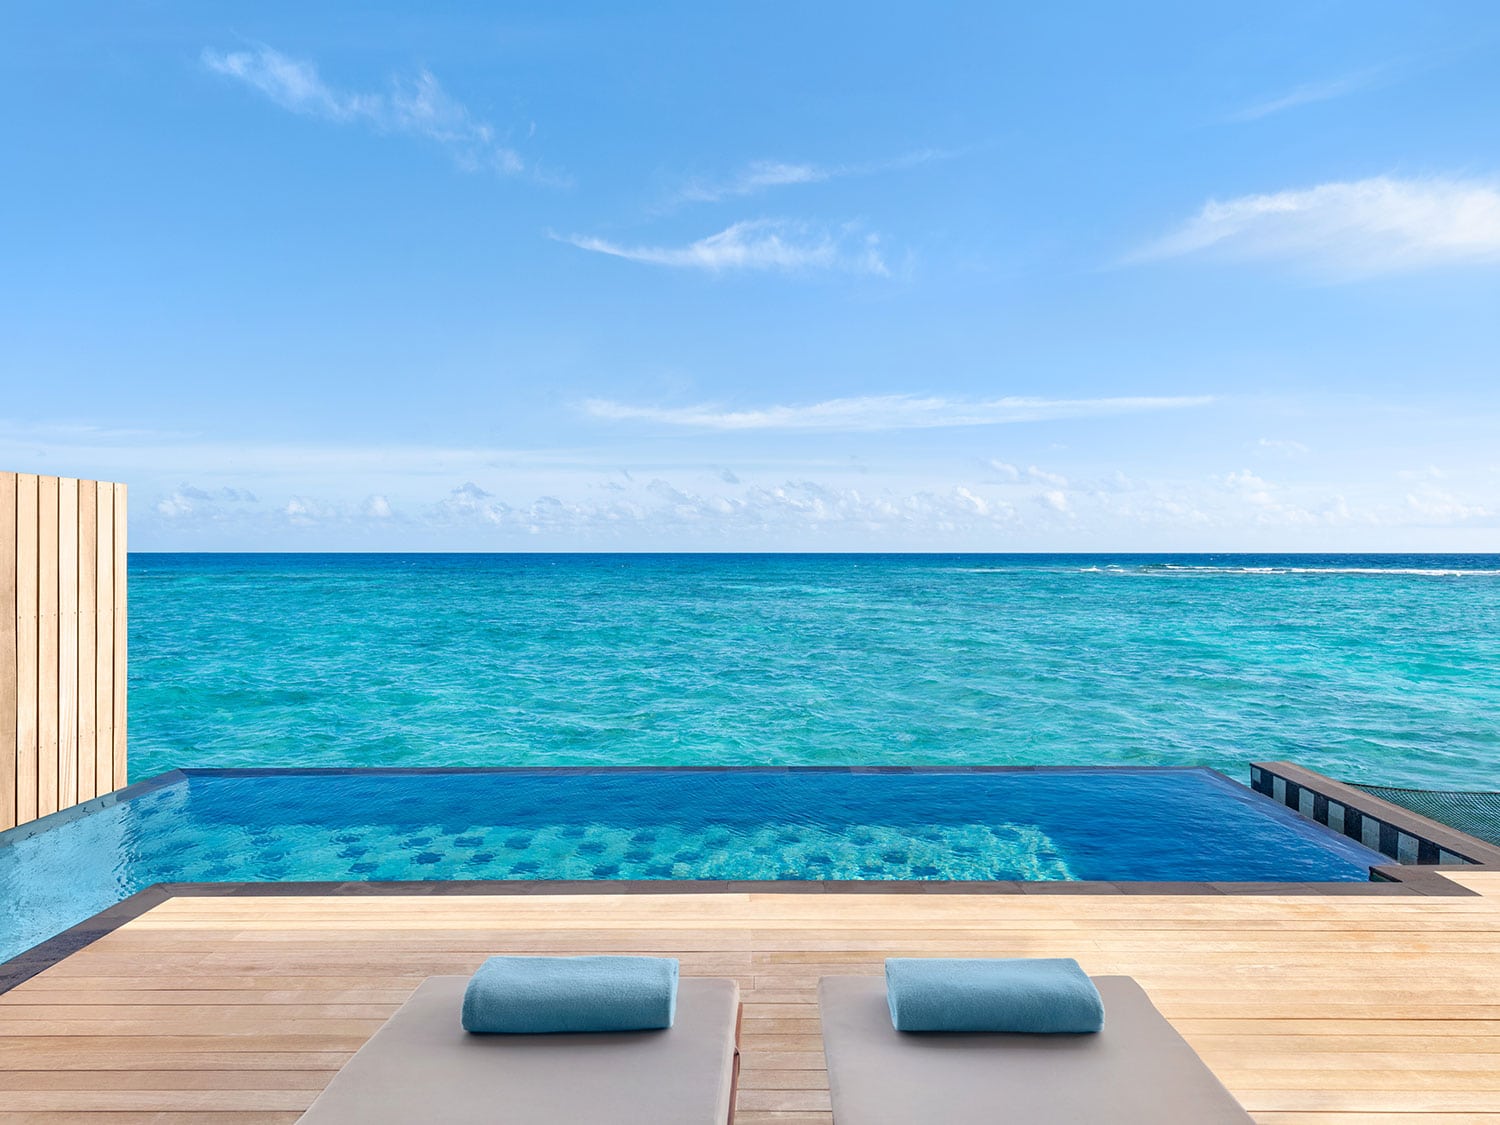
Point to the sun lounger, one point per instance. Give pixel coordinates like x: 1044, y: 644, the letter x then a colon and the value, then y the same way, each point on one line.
x: 1137, y: 1071
x: 421, y: 1066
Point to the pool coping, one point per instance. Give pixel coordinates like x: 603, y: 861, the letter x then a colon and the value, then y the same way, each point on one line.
x: 1391, y: 880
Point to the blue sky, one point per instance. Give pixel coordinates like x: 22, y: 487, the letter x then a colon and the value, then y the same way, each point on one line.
x: 759, y: 277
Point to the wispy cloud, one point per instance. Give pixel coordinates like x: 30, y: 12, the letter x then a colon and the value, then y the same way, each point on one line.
x: 761, y: 175
x: 417, y: 106
x: 1307, y: 94
x: 1348, y: 230
x: 753, y: 179
x: 886, y: 412
x: 762, y: 244
x: 1014, y: 473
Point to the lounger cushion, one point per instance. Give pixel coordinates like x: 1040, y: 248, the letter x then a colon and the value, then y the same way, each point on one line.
x: 531, y: 995
x: 1137, y: 1071
x: 421, y: 1066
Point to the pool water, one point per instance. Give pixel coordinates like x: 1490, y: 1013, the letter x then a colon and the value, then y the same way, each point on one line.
x: 380, y: 825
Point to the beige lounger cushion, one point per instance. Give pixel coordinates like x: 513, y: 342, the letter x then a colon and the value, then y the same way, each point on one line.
x: 1137, y: 1071
x: 422, y: 1067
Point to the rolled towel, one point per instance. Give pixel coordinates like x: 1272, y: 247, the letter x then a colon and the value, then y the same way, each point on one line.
x: 1043, y: 995
x: 528, y: 995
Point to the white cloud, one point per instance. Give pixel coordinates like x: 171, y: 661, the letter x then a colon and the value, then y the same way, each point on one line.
x: 416, y: 107
x: 754, y: 178
x: 174, y: 506
x: 304, y: 511
x: 234, y: 495
x: 1055, y: 499
x: 889, y: 412
x: 760, y: 175
x: 1041, y: 476
x: 761, y: 244
x: 188, y: 500
x: 1348, y: 230
x: 293, y: 84
x: 1251, y: 487
x: 1305, y: 94
x: 1013, y: 473
x: 839, y: 507
x: 1006, y: 470
x: 300, y: 510
x: 978, y: 503
x: 1434, y: 505
x: 636, y: 494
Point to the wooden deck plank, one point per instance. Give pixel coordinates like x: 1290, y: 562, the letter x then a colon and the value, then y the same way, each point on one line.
x: 1313, y: 1011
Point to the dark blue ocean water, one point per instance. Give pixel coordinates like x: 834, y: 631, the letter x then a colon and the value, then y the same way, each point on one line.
x: 1374, y: 668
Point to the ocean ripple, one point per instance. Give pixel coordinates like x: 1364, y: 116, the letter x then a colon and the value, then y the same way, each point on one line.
x: 1382, y: 669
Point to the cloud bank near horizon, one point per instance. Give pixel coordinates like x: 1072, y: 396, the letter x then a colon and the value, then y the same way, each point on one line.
x: 702, y: 509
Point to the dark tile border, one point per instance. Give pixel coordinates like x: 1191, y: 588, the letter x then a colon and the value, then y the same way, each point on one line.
x: 56, y: 949
x: 1409, y: 838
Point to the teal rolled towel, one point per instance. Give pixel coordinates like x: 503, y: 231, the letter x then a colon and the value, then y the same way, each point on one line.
x: 1039, y: 995
x: 530, y: 995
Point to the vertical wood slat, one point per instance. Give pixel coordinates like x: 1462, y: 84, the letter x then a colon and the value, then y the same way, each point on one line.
x: 8, y: 763
x: 121, y: 638
x: 26, y: 646
x: 88, y: 562
x: 46, y: 648
x: 67, y: 642
x: 104, y: 640
x: 63, y: 639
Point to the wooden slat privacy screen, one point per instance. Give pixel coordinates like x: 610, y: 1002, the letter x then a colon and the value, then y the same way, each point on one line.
x: 62, y: 643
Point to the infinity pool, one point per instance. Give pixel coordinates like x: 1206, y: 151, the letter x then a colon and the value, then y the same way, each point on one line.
x: 381, y: 825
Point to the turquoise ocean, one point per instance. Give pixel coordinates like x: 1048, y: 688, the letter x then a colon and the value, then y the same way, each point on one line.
x: 1383, y: 669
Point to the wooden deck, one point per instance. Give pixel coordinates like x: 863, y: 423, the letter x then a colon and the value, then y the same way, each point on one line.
x: 1328, y: 1010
